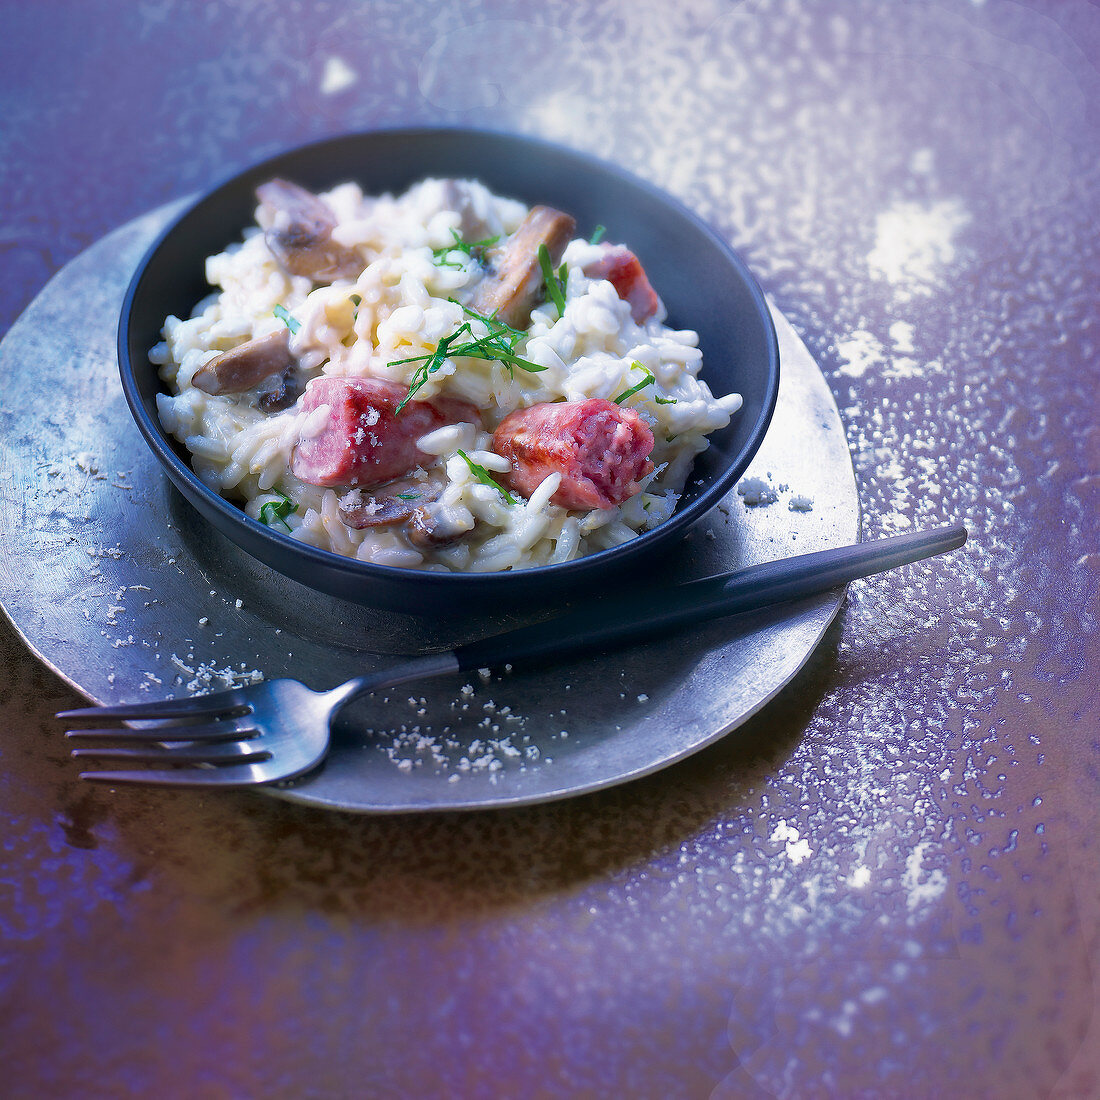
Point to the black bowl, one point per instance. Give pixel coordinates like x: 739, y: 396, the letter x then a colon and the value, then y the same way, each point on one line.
x: 703, y: 283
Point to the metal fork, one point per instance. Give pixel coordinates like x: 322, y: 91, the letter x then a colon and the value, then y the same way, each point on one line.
x: 278, y: 730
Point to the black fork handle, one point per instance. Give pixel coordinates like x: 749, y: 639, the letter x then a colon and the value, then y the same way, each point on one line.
x: 651, y: 613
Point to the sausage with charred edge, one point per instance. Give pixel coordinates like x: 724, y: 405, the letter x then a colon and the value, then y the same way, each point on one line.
x: 600, y: 449
x: 245, y: 366
x: 514, y: 283
x: 624, y: 271
x: 300, y: 235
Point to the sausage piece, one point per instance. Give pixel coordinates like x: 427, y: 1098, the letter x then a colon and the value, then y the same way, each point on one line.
x: 600, y: 449
x: 514, y: 283
x: 360, y: 439
x: 300, y: 236
x: 247, y: 365
x: 624, y: 271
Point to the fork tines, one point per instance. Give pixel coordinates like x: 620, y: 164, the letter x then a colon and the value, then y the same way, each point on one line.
x: 229, y: 730
x: 225, y: 703
x: 219, y: 752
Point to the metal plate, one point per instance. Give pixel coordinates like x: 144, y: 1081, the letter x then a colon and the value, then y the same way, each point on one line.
x: 116, y: 583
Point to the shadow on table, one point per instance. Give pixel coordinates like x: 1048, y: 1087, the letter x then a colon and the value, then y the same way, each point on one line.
x: 247, y: 855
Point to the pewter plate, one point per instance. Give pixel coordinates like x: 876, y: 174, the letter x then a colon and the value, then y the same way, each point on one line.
x: 118, y: 585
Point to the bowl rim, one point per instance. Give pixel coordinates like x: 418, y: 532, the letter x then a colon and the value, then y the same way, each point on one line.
x: 181, y: 473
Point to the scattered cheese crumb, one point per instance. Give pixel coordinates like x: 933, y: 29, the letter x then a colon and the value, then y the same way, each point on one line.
x: 209, y: 675
x: 797, y: 850
x: 859, y: 353
x: 755, y: 490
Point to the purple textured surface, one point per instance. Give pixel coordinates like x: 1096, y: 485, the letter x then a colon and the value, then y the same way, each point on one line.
x: 887, y: 884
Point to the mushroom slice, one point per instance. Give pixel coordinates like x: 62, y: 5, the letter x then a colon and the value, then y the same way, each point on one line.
x: 456, y: 196
x: 360, y: 511
x: 300, y: 236
x: 427, y: 525
x: 514, y: 284
x: 280, y: 391
x: 389, y: 504
x: 245, y: 366
x: 430, y: 527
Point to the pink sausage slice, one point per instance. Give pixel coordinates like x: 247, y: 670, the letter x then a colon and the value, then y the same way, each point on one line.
x: 600, y: 449
x: 364, y: 441
x: 624, y: 271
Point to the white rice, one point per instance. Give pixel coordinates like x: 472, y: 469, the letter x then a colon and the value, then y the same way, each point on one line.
x: 244, y: 454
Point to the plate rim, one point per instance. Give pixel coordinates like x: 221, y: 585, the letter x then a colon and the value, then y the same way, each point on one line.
x: 852, y: 516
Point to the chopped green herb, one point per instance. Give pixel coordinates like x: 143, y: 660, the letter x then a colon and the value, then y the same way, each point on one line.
x: 493, y: 323
x: 485, y: 348
x: 647, y: 381
x: 276, y: 511
x: 429, y: 364
x: 474, y: 249
x: 498, y: 345
x: 287, y: 318
x: 555, y: 287
x: 665, y: 400
x: 486, y: 478
x: 408, y: 496
x: 597, y: 235
x: 356, y: 300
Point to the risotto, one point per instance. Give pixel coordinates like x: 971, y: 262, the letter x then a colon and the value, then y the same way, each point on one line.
x: 445, y: 380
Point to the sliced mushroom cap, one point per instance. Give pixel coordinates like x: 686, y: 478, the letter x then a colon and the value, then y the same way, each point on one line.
x: 359, y: 511
x: 427, y: 525
x: 514, y: 284
x: 430, y: 527
x: 471, y: 226
x: 300, y: 236
x: 280, y: 391
x: 386, y: 505
x: 247, y: 365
